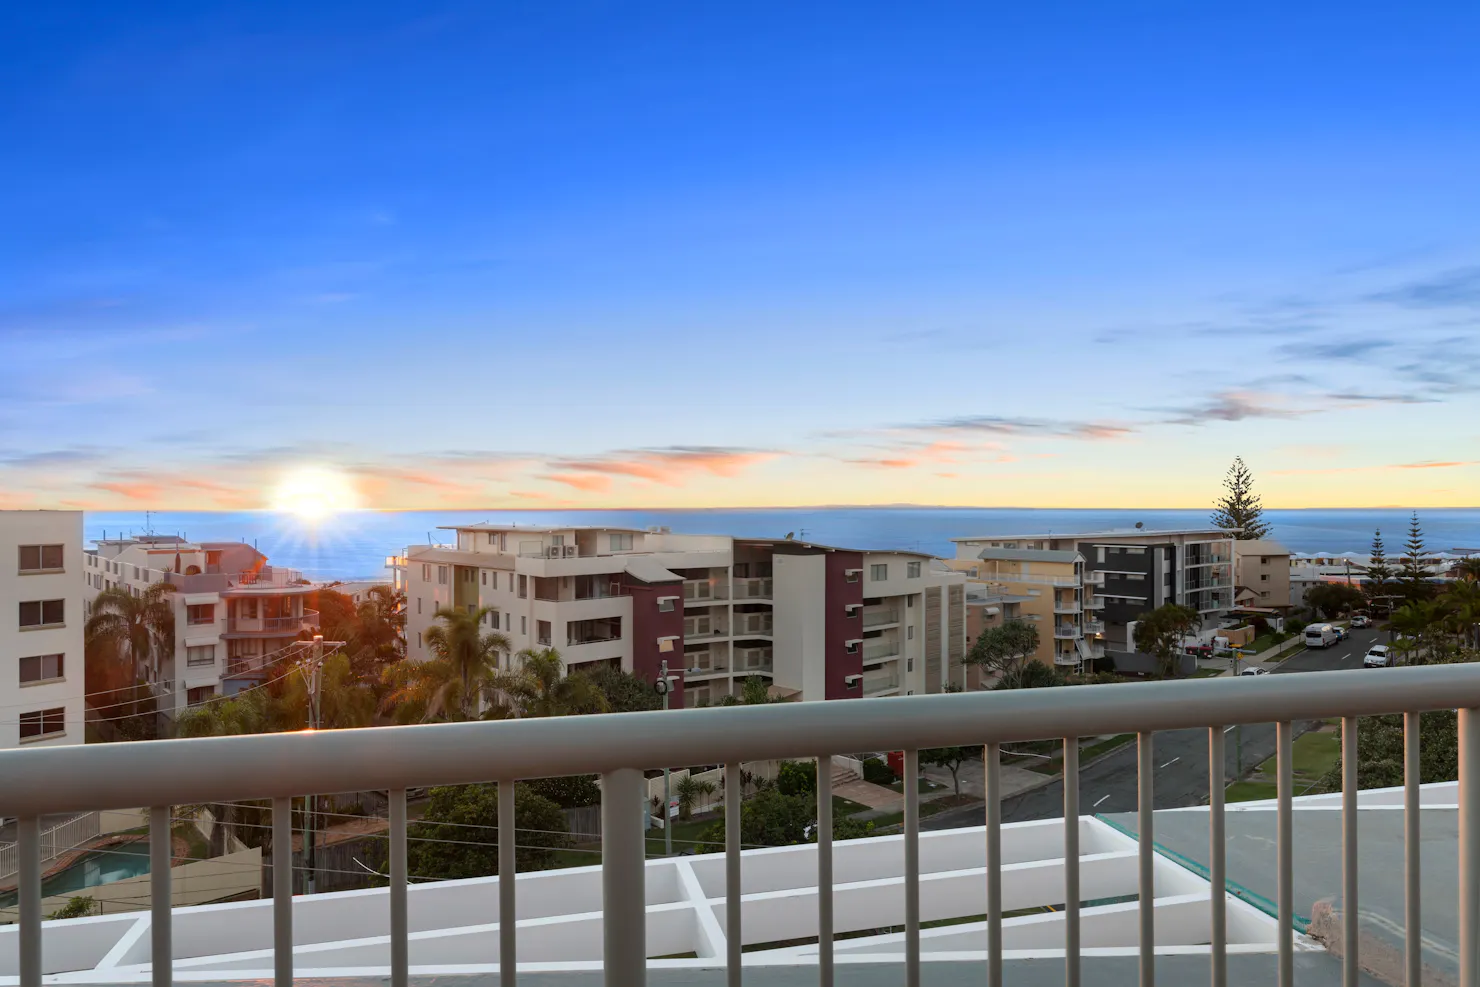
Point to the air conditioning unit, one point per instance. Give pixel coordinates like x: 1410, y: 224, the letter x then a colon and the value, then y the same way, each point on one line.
x: 570, y: 551
x: 553, y: 552
x: 851, y: 680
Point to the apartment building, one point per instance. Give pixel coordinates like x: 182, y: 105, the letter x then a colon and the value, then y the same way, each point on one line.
x: 817, y: 621
x: 234, y: 612
x: 1050, y: 589
x: 41, y: 668
x: 1125, y: 573
x: 1261, y: 575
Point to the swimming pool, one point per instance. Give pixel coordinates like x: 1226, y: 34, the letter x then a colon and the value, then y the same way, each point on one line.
x: 92, y: 869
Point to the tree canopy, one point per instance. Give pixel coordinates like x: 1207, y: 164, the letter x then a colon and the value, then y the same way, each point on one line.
x: 1161, y: 633
x: 1005, y: 650
x: 458, y: 835
x: 1333, y: 599
x: 1240, y: 507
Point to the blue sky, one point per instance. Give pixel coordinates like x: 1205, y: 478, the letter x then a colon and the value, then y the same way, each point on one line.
x: 678, y: 255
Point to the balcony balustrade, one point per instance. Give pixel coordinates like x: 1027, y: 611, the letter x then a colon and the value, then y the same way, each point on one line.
x: 956, y: 895
x: 754, y: 588
x: 880, y: 649
x: 880, y: 618
x: 753, y: 623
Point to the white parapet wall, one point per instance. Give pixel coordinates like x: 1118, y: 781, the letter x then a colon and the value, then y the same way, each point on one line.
x: 455, y: 924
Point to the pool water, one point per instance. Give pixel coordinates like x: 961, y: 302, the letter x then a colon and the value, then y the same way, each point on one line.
x: 94, y: 868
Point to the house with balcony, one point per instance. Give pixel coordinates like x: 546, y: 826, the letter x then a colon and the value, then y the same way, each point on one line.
x: 235, y: 614
x: 1131, y: 571
x: 815, y: 621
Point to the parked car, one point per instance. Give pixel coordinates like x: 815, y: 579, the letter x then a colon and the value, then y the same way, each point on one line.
x: 1378, y: 656
x: 1255, y: 671
x: 1320, y: 636
x: 1361, y: 620
x: 1341, y: 632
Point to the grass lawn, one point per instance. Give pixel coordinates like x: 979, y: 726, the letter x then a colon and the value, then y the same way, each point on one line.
x: 1104, y: 747
x: 845, y: 807
x: 1250, y: 791
x: 1208, y: 673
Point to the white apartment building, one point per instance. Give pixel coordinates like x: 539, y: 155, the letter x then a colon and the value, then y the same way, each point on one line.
x: 41, y: 666
x: 818, y: 622
x: 233, y: 611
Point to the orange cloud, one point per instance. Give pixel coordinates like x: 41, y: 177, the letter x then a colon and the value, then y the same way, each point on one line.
x: 666, y: 466
x: 135, y: 490
x: 593, y: 483
x: 1430, y: 465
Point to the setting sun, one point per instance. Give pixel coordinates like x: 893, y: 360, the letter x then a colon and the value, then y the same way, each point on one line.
x: 314, y: 492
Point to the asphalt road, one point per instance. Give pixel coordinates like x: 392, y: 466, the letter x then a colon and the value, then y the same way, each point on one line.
x: 1180, y: 756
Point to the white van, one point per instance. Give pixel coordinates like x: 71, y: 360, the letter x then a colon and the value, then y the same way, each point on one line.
x: 1321, y: 636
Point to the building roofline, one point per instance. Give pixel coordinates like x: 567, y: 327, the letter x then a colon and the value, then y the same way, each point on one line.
x: 1105, y: 533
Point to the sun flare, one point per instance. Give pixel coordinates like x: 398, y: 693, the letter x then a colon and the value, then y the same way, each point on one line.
x: 314, y: 492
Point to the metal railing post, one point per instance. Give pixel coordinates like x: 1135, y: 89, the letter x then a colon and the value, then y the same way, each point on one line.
x: 161, y: 854
x: 1285, y: 854
x: 1217, y: 862
x: 28, y: 850
x: 1412, y: 909
x: 400, y: 926
x: 623, y: 866
x: 1146, y: 860
x: 824, y: 872
x: 1350, y: 971
x: 1469, y: 847
x: 282, y: 892
x: 1071, y: 862
x: 734, y: 941
x: 992, y: 761
x: 508, y: 866
x: 912, y: 868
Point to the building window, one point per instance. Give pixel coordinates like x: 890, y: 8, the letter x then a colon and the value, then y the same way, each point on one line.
x: 43, y: 613
x: 1264, y: 560
x: 523, y: 625
x: 850, y: 576
x: 426, y: 573
x: 249, y: 609
x: 620, y: 543
x: 484, y: 574
x: 43, y: 723
x: 851, y: 647
x: 909, y: 601
x: 1264, y: 595
x: 441, y: 575
x: 508, y: 622
x: 200, y: 654
x: 41, y: 558
x: 511, y: 582
x: 909, y: 664
x: 665, y: 644
x: 492, y: 538
x: 523, y: 587
x: 542, y: 631
x: 909, y: 633
x: 912, y: 570
x: 200, y: 694
x: 1264, y: 577
x: 41, y: 668
x: 418, y: 639
x: 418, y: 604
x: 665, y: 604
x: 878, y: 572
x: 200, y: 613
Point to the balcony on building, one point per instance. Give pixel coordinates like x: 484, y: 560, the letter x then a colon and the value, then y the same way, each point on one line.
x: 753, y: 624
x: 1066, y: 631
x: 705, y: 662
x: 748, y: 660
x: 700, y: 592
x: 880, y: 681
x: 705, y: 628
x: 881, y: 648
x: 753, y: 588
x: 880, y: 616
x: 1066, y: 602
x: 1094, y: 627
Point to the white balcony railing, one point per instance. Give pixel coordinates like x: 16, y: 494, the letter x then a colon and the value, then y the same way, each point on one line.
x: 1066, y: 631
x: 1030, y: 578
x: 614, y: 917
x: 880, y: 649
x: 752, y: 623
x: 880, y: 618
x: 875, y: 682
x: 1094, y: 627
x: 1067, y: 606
x: 703, y: 591
x: 753, y: 588
x: 753, y: 660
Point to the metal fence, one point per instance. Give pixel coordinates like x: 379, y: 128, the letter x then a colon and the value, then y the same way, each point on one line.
x: 281, y: 766
x: 55, y: 842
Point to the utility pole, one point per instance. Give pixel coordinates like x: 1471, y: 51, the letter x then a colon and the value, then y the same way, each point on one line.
x: 310, y: 804
x: 663, y: 687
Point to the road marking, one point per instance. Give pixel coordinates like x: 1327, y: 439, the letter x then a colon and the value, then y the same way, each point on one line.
x: 1097, y: 804
x: 1170, y: 763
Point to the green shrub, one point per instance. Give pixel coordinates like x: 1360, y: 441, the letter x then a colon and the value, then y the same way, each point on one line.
x: 76, y: 907
x: 795, y: 778
x: 876, y: 771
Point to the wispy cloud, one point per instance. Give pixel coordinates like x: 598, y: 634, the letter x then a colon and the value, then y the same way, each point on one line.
x: 1014, y: 426
x: 1458, y: 288
x: 669, y: 465
x: 1233, y: 406
x: 1425, y: 465
x: 1340, y: 349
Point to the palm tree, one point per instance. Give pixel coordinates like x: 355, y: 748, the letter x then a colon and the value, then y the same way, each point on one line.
x: 380, y: 638
x: 542, y: 687
x: 690, y: 791
x: 1414, y: 621
x: 251, y: 711
x: 462, y: 670
x: 1461, y: 604
x: 137, y: 629
x: 1469, y: 569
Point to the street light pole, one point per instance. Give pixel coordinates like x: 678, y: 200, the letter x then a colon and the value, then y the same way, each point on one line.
x: 667, y: 796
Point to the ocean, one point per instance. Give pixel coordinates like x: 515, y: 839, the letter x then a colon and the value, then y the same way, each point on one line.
x: 354, y: 545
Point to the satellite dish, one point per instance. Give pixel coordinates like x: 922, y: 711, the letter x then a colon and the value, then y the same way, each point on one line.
x: 1140, y: 524
x: 790, y: 535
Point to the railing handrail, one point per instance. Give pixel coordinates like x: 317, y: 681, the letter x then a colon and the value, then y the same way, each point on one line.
x: 42, y: 781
